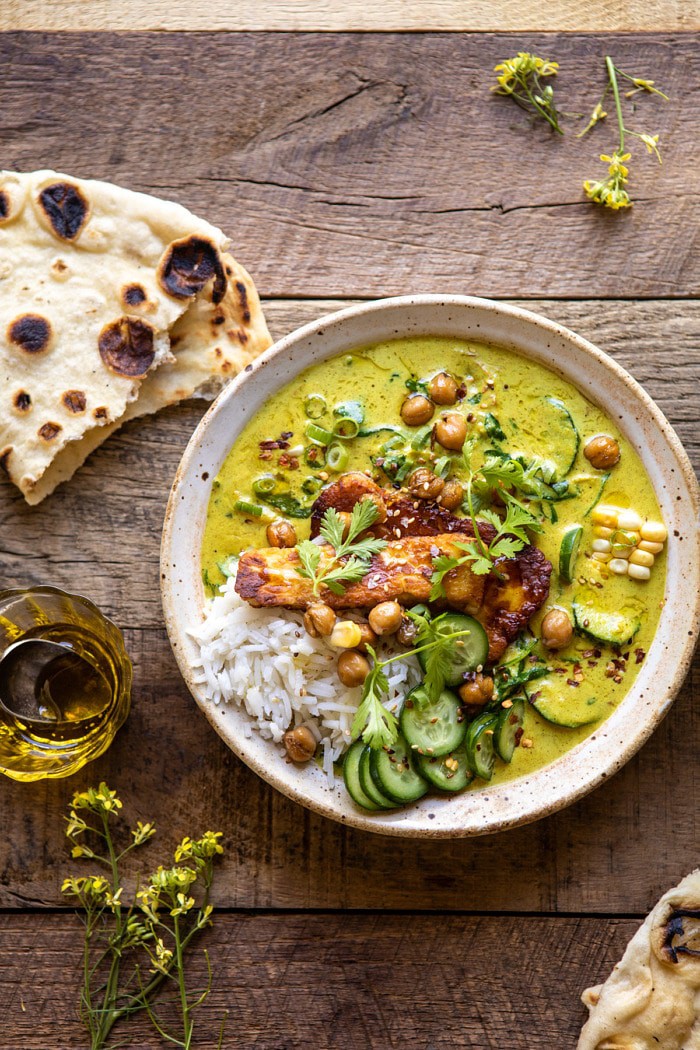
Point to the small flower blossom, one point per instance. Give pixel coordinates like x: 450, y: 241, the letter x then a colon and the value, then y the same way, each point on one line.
x: 610, y: 192
x: 75, y: 825
x: 162, y: 959
x: 92, y: 888
x: 183, y: 904
x: 142, y: 832
x: 101, y: 800
x: 82, y: 851
x: 519, y: 77
x: 652, y: 144
x: 200, y: 849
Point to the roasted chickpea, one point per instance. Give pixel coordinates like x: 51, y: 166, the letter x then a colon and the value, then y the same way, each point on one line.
x: 353, y: 668
x: 557, y: 630
x: 368, y: 637
x: 423, y: 484
x: 602, y: 452
x: 417, y: 410
x: 386, y: 617
x: 300, y: 744
x: 451, y: 431
x: 477, y: 691
x: 452, y: 495
x: 281, y: 534
x: 443, y: 389
x: 407, y: 631
x: 319, y: 619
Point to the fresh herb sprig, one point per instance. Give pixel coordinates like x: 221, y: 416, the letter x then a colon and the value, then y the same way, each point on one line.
x: 131, y: 950
x: 519, y: 78
x: 334, y: 572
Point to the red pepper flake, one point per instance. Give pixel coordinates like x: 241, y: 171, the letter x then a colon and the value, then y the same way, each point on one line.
x: 518, y: 735
x: 639, y: 655
x: 265, y: 454
x: 571, y: 682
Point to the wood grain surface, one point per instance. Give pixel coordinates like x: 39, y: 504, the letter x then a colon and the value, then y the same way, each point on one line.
x: 349, y: 167
x: 331, y: 982
x: 468, y: 15
x: 365, y: 166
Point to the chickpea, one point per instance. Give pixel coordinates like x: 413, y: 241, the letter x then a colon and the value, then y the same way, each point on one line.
x: 451, y: 431
x: 602, y: 452
x: 452, y: 495
x: 353, y: 668
x: 423, y: 484
x: 443, y: 389
x: 478, y: 690
x: 319, y: 619
x: 557, y: 630
x: 368, y: 638
x: 300, y: 744
x: 386, y: 617
x: 417, y: 410
x: 281, y: 534
x: 407, y: 632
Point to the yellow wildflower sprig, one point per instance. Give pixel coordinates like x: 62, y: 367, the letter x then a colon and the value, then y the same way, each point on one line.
x: 610, y: 191
x: 519, y: 78
x: 150, y: 934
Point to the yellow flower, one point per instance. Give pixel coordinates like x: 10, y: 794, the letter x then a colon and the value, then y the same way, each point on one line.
x: 142, y: 832
x: 98, y: 800
x: 651, y: 143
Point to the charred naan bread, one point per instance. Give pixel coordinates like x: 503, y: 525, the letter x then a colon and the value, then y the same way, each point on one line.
x: 98, y: 286
x: 652, y: 997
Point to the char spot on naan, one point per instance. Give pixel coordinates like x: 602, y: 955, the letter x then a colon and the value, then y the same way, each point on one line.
x: 66, y: 209
x: 100, y: 412
x: 5, y: 459
x: 22, y: 401
x: 30, y: 332
x: 243, y: 298
x: 133, y: 295
x: 74, y: 400
x: 127, y: 347
x: 49, y: 431
x: 4, y: 205
x: 188, y: 265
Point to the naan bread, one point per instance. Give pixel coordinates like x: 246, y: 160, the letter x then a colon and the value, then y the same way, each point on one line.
x: 651, y: 1001
x: 96, y: 284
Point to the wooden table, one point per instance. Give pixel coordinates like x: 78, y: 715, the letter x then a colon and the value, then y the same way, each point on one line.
x: 348, y: 167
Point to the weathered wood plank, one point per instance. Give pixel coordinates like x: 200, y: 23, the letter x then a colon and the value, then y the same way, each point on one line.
x: 391, y: 167
x: 340, y: 982
x: 170, y: 767
x: 325, y: 15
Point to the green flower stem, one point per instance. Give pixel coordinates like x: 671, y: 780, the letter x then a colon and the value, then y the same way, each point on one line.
x: 616, y: 92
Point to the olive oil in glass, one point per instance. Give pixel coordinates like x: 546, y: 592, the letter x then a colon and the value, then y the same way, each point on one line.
x: 65, y: 683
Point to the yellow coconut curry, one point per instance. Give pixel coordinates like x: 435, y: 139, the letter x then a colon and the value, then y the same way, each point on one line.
x: 471, y: 506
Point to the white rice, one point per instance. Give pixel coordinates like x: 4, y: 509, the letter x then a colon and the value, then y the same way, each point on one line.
x: 264, y: 661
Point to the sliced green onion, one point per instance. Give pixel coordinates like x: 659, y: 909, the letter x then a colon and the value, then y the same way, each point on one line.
x: 318, y: 435
x: 245, y: 507
x: 421, y: 437
x: 312, y: 485
x: 346, y: 427
x: 441, y: 467
x: 353, y: 409
x: 264, y: 485
x: 337, y: 458
x: 315, y: 406
x: 315, y: 456
x: 392, y: 443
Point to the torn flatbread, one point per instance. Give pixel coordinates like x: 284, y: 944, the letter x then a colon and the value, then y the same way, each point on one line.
x: 652, y: 997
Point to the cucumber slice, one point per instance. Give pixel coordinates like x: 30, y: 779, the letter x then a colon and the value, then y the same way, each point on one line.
x: 351, y: 776
x: 395, y: 775
x: 611, y: 628
x: 479, y: 745
x: 443, y: 775
x: 550, y: 426
x: 432, y: 728
x: 367, y: 783
x: 510, y: 720
x: 562, y: 704
x: 463, y: 654
x: 568, y: 552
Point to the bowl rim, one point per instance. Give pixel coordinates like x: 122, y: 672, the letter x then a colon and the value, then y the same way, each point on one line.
x: 351, y: 815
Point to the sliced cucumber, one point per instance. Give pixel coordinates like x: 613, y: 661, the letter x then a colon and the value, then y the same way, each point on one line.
x: 367, y: 783
x: 395, y: 775
x: 550, y: 426
x: 463, y: 654
x: 505, y: 736
x: 432, y: 728
x: 563, y: 704
x: 568, y: 552
x: 441, y: 772
x: 479, y: 745
x: 351, y: 776
x: 611, y: 628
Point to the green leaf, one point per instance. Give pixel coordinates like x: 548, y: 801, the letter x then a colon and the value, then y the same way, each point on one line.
x: 332, y: 528
x: 506, y: 547
x: 493, y: 428
x: 377, y: 726
x: 310, y: 558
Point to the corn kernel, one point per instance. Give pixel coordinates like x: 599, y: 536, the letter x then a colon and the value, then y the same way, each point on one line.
x: 602, y: 557
x: 655, y: 531
x: 602, y: 546
x: 603, y: 532
x: 619, y: 566
x: 346, y: 634
x: 639, y: 572
x: 629, y: 519
x: 605, y: 515
x: 642, y: 558
x: 651, y: 548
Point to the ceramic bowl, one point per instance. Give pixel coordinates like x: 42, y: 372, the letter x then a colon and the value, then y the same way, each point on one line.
x: 488, y: 809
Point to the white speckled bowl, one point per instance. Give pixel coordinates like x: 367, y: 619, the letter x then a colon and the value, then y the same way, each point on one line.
x: 488, y: 809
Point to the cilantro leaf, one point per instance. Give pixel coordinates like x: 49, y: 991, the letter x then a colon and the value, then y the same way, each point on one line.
x: 310, y: 557
x: 351, y: 556
x: 377, y: 726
